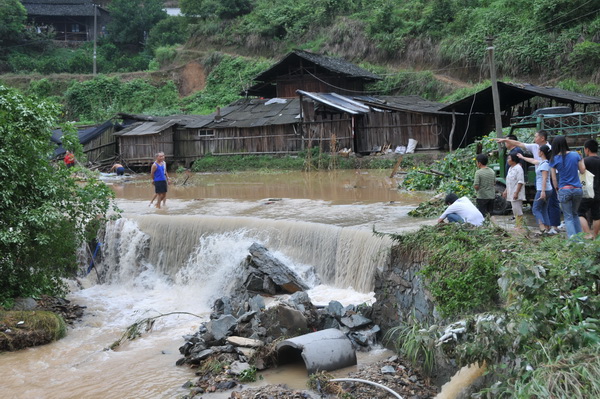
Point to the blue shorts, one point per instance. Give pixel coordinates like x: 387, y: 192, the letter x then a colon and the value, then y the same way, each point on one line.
x: 160, y: 186
x: 120, y: 171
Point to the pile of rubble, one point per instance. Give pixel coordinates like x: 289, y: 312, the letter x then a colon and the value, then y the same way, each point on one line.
x: 243, y: 333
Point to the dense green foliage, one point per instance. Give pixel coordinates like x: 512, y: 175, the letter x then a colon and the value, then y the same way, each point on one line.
x: 131, y: 20
x: 44, y: 211
x: 168, y: 32
x: 12, y: 21
x: 102, y: 97
x: 225, y: 9
x: 546, y: 320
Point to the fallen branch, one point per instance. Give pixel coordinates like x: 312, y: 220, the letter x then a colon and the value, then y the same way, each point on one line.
x: 135, y: 330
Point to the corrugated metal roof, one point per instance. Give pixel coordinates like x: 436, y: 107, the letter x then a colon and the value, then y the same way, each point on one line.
x: 146, y: 128
x: 332, y: 64
x: 361, y: 104
x: 513, y: 94
x: 337, y: 101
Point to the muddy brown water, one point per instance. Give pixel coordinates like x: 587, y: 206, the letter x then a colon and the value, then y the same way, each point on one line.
x: 78, y: 366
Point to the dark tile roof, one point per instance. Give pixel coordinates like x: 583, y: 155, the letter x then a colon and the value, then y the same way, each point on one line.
x: 331, y: 64
x: 80, y: 8
x: 258, y: 112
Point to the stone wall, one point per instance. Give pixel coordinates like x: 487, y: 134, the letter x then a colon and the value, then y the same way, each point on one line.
x: 400, y: 291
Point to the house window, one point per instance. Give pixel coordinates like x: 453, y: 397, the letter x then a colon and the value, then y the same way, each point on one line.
x: 75, y: 28
x: 206, y: 132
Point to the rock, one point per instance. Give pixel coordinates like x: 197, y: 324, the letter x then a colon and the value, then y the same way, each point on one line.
x: 220, y: 328
x: 335, y: 309
x: 285, y: 278
x: 25, y: 304
x: 282, y: 320
x: 355, y: 321
x: 238, y: 368
x: 257, y: 303
x: 248, y: 352
x: 222, y: 306
x: 225, y: 385
x: 198, y: 357
x: 246, y: 317
x: 245, y: 342
x: 388, y: 370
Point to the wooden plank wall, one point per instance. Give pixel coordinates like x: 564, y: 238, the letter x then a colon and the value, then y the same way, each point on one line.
x: 141, y: 150
x: 189, y: 145
x: 101, y: 148
x: 396, y: 128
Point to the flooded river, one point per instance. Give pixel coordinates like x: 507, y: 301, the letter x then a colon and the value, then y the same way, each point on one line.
x: 178, y: 259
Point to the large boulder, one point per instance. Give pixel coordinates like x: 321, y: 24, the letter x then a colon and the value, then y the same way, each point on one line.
x: 268, y: 274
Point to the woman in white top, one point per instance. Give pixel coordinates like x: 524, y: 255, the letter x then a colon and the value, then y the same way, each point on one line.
x: 515, y: 190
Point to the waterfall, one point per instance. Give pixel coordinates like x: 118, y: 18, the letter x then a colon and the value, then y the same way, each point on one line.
x: 206, y: 250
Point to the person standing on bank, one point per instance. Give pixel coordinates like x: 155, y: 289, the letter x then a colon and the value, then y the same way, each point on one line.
x: 592, y: 163
x: 485, y: 186
x: 160, y: 178
x: 515, y: 188
x: 543, y: 189
x: 566, y: 166
x: 540, y: 139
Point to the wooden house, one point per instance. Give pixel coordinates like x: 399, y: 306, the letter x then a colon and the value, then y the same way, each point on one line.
x: 302, y: 70
x: 70, y: 20
x: 368, y: 123
x: 99, y: 144
x: 143, y: 137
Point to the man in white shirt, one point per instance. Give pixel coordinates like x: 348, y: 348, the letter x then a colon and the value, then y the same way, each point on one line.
x: 461, y: 210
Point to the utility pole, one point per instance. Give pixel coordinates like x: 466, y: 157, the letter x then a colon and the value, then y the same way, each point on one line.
x: 95, y: 35
x: 495, y: 94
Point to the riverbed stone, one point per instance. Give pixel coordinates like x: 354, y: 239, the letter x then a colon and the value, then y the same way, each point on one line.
x: 221, y: 327
x: 280, y: 274
x: 245, y: 342
x: 238, y: 368
x: 257, y: 303
x: 335, y: 309
x: 355, y: 321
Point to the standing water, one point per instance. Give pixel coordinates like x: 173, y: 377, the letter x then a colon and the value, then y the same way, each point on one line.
x: 179, y: 260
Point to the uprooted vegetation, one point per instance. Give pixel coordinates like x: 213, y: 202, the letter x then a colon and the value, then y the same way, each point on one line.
x: 528, y: 309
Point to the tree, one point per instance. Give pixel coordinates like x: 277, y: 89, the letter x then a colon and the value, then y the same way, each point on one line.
x: 131, y: 20
x: 45, y: 215
x: 224, y: 9
x: 12, y: 21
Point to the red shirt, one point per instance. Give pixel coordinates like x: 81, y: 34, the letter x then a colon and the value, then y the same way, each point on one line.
x: 69, y: 159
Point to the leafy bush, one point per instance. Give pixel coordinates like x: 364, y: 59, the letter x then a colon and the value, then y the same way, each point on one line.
x: 168, y: 32
x: 100, y: 98
x: 44, y: 215
x: 165, y: 55
x: 543, y: 341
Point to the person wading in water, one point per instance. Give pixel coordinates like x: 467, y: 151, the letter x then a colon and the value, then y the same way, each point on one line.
x: 160, y: 178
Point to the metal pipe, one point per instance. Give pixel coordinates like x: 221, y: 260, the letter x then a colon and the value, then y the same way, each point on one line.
x: 368, y: 382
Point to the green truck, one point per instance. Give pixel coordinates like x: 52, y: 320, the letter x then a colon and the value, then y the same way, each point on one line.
x: 576, y: 126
